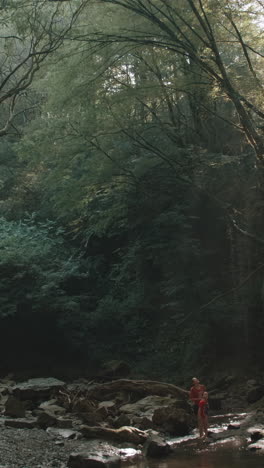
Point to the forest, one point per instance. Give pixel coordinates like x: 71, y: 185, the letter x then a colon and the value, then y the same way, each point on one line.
x: 131, y: 185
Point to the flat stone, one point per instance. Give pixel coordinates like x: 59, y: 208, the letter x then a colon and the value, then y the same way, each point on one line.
x: 21, y: 423
x: 37, y: 388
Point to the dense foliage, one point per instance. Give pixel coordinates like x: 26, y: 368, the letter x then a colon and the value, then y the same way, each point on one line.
x: 131, y: 181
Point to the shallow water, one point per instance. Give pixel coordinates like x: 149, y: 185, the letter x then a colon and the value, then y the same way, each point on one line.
x: 225, y: 453
x: 209, y: 460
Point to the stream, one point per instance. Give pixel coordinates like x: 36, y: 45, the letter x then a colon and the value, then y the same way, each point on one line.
x: 227, y: 452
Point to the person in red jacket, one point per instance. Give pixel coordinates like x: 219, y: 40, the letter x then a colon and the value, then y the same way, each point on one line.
x: 196, y: 393
x: 203, y: 415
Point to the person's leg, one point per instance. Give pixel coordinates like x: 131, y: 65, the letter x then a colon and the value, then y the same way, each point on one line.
x: 205, y: 424
x: 200, y: 426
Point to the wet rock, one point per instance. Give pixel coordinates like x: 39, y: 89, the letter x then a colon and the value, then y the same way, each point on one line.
x: 37, y: 389
x: 14, y: 407
x: 155, y: 446
x: 84, y: 460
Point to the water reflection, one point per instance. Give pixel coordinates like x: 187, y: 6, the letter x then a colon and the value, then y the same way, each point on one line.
x: 209, y: 460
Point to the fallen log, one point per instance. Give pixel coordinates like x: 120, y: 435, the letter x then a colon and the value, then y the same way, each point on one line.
x: 140, y: 387
x: 123, y: 434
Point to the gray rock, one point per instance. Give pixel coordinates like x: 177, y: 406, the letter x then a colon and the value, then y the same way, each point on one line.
x: 35, y: 389
x: 62, y: 433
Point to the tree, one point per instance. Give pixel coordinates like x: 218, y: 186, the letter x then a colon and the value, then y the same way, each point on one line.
x: 198, y: 31
x: 30, y: 33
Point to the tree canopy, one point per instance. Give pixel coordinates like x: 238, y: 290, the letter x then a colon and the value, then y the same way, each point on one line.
x: 132, y: 174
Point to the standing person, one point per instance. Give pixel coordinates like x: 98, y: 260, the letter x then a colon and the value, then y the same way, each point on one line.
x: 196, y: 393
x: 203, y: 415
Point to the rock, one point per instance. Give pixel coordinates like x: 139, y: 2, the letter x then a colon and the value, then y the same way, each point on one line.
x: 143, y: 423
x: 60, y: 443
x: 37, y: 389
x: 146, y: 406
x: 173, y: 420
x: 122, y: 420
x: 64, y: 423
x: 252, y: 383
x: 84, y: 460
x: 101, y: 413
x: 21, y: 423
x: 130, y: 456
x: 257, y: 446
x: 233, y: 426
x: 63, y: 433
x: 255, y: 393
x: 14, y: 407
x: 155, y: 446
x: 256, y: 433
x: 46, y: 419
x: 92, y: 418
x: 52, y: 407
x: 109, y: 405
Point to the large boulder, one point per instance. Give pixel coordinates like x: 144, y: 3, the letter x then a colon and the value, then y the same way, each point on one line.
x: 173, y: 420
x: 37, y: 389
